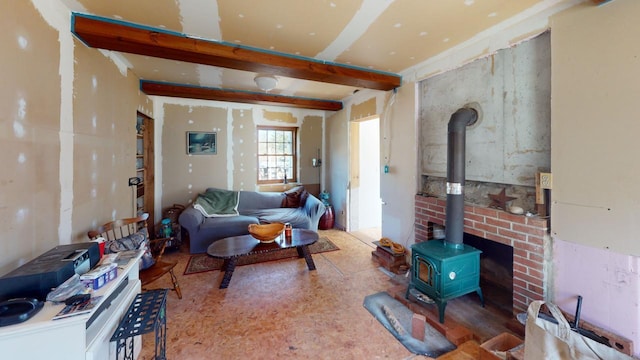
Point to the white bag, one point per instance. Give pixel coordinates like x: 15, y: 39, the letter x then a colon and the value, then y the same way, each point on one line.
x: 546, y: 340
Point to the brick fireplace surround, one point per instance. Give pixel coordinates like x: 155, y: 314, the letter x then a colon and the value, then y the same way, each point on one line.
x: 527, y: 235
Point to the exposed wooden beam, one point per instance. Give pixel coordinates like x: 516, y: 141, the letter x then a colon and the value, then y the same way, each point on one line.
x: 131, y: 38
x: 206, y: 93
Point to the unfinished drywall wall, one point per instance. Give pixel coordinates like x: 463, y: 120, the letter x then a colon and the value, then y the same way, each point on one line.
x: 243, y: 147
x: 397, y: 111
x: 30, y: 145
x: 337, y: 141
x: 104, y: 151
x: 363, y: 110
x: 68, y: 139
x: 398, y: 151
x: 184, y: 175
x: 310, y: 148
x: 511, y: 89
x: 595, y: 129
x: 234, y: 166
x: 595, y: 205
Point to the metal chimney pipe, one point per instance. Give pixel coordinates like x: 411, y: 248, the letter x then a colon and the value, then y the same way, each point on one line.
x: 454, y: 222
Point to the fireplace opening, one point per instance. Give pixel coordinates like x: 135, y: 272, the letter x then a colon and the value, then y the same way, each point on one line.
x: 525, y: 236
x: 496, y: 271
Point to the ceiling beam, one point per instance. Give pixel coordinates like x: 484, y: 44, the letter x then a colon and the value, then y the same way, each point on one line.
x: 131, y: 38
x: 248, y: 97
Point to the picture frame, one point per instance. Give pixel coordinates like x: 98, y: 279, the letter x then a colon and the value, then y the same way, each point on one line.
x: 202, y: 143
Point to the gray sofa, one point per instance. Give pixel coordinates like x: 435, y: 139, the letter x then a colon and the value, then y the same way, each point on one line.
x: 253, y: 208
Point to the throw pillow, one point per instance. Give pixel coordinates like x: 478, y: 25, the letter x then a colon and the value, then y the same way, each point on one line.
x: 139, y: 240
x: 295, y: 197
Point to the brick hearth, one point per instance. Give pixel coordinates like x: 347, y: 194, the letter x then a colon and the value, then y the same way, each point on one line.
x: 527, y: 235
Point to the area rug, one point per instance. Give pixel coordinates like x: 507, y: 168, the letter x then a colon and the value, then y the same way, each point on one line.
x: 434, y: 343
x: 202, y: 262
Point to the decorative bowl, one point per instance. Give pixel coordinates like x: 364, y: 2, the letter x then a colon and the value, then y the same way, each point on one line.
x: 266, y: 233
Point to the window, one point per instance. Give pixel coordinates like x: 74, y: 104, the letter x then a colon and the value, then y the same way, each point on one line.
x: 276, y: 154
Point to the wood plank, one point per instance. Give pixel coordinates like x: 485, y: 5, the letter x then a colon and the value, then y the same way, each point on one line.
x: 464, y: 315
x: 205, y: 93
x: 131, y: 38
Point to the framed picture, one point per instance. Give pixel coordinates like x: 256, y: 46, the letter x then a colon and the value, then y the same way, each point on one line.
x: 201, y: 143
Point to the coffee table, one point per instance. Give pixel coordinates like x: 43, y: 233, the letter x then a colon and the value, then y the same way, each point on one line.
x: 231, y: 248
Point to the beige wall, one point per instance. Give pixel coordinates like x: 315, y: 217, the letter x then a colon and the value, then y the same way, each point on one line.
x: 68, y: 134
x: 104, y: 150
x: 337, y: 164
x: 595, y: 127
x: 311, y: 134
x: 235, y: 164
x: 29, y: 119
x: 397, y: 113
x: 68, y: 138
x: 398, y: 132
x: 184, y: 175
x: 594, y: 141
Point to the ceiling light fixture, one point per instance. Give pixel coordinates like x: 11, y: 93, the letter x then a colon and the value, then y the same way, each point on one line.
x: 266, y: 83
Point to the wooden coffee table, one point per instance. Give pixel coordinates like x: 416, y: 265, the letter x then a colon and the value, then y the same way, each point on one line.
x: 231, y: 248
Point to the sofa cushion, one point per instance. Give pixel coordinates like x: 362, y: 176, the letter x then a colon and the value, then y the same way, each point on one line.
x: 230, y: 226
x: 252, y: 200
x: 295, y: 216
x: 295, y: 197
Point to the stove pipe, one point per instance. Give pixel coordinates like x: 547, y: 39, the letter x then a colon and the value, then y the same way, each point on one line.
x: 454, y: 222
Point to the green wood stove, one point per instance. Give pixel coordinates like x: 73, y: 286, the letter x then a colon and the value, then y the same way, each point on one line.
x: 444, y: 272
x: 446, y: 269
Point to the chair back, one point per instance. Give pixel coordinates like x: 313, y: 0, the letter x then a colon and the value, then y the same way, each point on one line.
x: 118, y: 229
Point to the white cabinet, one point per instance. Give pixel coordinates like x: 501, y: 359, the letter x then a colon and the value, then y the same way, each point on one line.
x: 69, y: 339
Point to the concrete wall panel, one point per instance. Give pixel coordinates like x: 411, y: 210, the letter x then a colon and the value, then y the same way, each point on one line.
x: 512, y: 139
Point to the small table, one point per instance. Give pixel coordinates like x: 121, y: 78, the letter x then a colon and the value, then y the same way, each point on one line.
x: 147, y: 312
x: 231, y: 248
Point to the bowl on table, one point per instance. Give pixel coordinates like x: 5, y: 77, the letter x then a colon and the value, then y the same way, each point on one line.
x: 266, y: 233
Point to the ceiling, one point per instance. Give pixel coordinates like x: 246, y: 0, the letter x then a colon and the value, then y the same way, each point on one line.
x: 382, y: 36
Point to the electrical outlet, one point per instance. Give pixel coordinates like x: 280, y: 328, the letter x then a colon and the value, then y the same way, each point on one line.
x: 546, y: 180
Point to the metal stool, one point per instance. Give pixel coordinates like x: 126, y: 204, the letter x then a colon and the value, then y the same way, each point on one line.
x: 147, y: 312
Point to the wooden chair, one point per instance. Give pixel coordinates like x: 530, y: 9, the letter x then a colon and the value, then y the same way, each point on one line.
x: 124, y: 227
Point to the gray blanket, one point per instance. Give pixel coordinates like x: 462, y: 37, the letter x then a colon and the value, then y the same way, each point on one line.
x: 217, y: 203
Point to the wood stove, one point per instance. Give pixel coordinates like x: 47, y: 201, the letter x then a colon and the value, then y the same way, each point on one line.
x: 444, y: 273
x: 446, y: 269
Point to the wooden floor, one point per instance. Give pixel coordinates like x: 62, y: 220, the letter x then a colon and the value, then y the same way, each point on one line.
x: 466, y: 311
x: 494, y: 319
x: 281, y: 310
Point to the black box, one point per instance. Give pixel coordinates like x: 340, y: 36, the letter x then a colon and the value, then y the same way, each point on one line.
x: 36, y: 278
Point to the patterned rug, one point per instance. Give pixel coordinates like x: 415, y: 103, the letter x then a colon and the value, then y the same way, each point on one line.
x: 202, y: 262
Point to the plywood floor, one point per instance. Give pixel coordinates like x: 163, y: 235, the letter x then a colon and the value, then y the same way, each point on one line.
x: 280, y: 310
